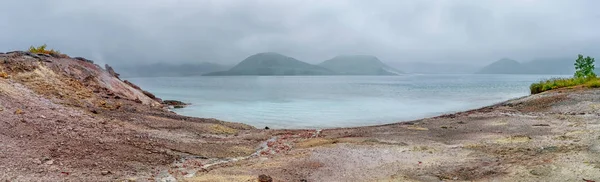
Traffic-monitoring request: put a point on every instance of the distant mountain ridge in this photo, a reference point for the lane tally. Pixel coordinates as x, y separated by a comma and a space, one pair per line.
359, 65
170, 70
271, 63
503, 66
436, 67
558, 66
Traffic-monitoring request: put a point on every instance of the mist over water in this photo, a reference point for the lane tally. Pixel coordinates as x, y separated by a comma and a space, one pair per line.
335, 101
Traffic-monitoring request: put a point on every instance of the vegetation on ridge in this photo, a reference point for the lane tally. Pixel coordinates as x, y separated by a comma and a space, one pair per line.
584, 75
42, 50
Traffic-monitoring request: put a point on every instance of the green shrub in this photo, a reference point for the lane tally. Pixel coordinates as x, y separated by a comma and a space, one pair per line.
584, 75
42, 49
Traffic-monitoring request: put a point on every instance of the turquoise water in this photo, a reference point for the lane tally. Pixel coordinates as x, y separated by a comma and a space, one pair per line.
334, 101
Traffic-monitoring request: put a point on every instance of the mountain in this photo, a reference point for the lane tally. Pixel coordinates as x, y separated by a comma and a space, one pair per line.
503, 66
551, 66
436, 67
358, 65
561, 66
169, 70
273, 64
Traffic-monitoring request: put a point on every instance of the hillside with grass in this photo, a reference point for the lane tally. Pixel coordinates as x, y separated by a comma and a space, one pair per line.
359, 65
584, 77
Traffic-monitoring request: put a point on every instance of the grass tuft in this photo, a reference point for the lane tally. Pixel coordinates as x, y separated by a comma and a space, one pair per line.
593, 84
556, 83
42, 50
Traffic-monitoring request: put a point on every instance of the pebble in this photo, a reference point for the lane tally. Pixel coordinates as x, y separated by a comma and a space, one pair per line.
49, 162
265, 178
37, 161
105, 172
594, 148
541, 171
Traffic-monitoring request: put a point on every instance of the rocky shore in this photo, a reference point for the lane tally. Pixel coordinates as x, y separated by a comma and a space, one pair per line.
67, 119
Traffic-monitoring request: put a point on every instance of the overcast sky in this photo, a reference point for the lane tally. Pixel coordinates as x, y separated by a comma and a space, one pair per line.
227, 31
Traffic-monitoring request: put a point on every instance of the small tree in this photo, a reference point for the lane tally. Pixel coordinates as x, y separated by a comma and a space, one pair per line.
584, 67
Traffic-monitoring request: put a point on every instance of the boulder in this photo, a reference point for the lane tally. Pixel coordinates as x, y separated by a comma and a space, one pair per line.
174, 103
84, 59
265, 178
132, 85
111, 71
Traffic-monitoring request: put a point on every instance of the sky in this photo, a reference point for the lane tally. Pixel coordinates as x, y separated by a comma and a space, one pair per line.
227, 31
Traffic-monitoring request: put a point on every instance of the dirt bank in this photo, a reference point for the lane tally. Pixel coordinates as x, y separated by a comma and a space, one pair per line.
66, 119
554, 136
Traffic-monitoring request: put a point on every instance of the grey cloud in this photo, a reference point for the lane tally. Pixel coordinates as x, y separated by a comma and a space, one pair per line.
226, 31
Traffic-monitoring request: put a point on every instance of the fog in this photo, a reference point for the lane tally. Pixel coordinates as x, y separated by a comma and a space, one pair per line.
470, 32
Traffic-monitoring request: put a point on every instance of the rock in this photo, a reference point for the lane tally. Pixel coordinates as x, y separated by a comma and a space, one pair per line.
37, 161
594, 148
19, 111
111, 71
43, 55
266, 128
32, 55
175, 103
549, 149
152, 96
49, 162
132, 85
13, 52
58, 55
265, 178
169, 178
541, 125
83, 59
105, 172
541, 171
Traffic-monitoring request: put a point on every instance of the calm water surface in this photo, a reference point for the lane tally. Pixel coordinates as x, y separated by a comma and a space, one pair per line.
335, 101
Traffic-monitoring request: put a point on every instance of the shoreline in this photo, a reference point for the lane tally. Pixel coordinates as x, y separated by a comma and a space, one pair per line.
370, 125
70, 120
536, 144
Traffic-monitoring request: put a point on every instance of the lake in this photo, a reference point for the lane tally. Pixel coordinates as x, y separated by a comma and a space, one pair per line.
335, 101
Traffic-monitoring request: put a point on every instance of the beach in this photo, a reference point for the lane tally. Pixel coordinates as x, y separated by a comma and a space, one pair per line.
67, 119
